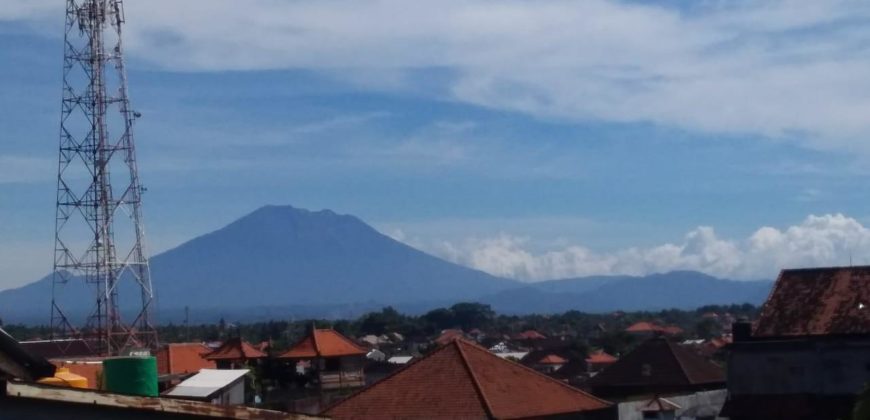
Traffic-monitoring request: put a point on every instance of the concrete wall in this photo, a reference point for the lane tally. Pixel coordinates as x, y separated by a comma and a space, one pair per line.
820, 368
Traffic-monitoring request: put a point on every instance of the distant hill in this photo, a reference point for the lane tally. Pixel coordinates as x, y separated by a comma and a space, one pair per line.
677, 289
281, 261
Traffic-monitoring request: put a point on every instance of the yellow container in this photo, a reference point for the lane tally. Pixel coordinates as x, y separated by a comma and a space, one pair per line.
63, 377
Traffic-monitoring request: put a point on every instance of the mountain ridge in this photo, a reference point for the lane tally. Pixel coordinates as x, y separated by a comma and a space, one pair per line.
286, 261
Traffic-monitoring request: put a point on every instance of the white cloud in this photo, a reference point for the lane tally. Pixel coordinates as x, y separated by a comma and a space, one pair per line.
784, 69
818, 241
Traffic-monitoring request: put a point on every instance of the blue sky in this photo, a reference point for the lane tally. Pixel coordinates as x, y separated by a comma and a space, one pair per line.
531, 141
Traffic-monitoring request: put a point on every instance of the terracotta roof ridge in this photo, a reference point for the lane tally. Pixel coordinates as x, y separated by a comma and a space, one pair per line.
530, 370
776, 285
413, 362
486, 404
314, 340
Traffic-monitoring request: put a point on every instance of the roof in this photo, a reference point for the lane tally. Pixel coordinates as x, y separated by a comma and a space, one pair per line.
660, 362
463, 380
206, 383
530, 335
447, 336
400, 360
235, 349
17, 362
817, 301
111, 401
643, 326
658, 404
51, 349
552, 359
177, 358
324, 343
600, 356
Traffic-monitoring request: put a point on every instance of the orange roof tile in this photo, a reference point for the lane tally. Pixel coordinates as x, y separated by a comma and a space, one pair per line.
530, 335
323, 343
183, 358
643, 327
552, 359
600, 357
463, 380
447, 336
817, 301
235, 349
672, 330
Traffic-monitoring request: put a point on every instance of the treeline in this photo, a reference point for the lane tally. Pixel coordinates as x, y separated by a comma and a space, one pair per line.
607, 328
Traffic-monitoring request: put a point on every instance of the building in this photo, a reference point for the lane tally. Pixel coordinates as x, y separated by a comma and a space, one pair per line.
808, 355
659, 368
183, 358
463, 380
338, 361
598, 360
235, 353
221, 387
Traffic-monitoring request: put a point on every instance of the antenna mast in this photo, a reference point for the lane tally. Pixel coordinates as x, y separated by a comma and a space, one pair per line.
99, 238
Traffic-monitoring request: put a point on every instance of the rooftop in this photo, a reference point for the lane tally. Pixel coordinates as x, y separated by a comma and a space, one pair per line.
235, 349
817, 301
206, 383
324, 343
463, 380
178, 358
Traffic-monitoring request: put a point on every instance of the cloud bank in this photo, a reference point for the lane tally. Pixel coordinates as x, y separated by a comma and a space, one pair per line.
782, 69
827, 240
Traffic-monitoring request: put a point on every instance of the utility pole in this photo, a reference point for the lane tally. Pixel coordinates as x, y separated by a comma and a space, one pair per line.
99, 236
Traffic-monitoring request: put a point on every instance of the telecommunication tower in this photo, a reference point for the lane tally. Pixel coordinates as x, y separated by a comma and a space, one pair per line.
99, 237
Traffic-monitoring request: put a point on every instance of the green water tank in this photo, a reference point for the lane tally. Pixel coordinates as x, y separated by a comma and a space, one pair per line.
131, 375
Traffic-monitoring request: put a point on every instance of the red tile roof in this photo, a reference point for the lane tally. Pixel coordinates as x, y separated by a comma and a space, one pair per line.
600, 357
672, 330
323, 343
552, 359
817, 301
463, 380
235, 349
530, 335
643, 327
447, 336
659, 362
183, 358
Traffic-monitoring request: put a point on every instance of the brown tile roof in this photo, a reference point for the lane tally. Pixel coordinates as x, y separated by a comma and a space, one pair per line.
235, 349
817, 301
659, 362
463, 380
183, 358
447, 336
323, 343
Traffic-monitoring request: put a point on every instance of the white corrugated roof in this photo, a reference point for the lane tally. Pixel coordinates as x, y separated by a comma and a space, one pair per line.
206, 382
400, 360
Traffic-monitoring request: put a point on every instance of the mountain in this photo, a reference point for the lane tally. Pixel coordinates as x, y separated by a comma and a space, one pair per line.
282, 262
676, 289
280, 257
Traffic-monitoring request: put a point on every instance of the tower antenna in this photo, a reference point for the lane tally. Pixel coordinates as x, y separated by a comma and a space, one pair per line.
99, 237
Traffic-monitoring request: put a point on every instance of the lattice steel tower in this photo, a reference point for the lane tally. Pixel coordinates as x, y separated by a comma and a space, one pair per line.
99, 239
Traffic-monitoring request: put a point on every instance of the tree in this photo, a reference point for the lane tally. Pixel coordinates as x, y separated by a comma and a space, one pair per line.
472, 315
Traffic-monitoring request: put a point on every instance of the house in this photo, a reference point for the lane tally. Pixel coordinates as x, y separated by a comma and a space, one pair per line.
549, 363
337, 360
221, 387
808, 355
598, 360
660, 368
183, 358
529, 335
235, 353
463, 380
400, 360
447, 336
